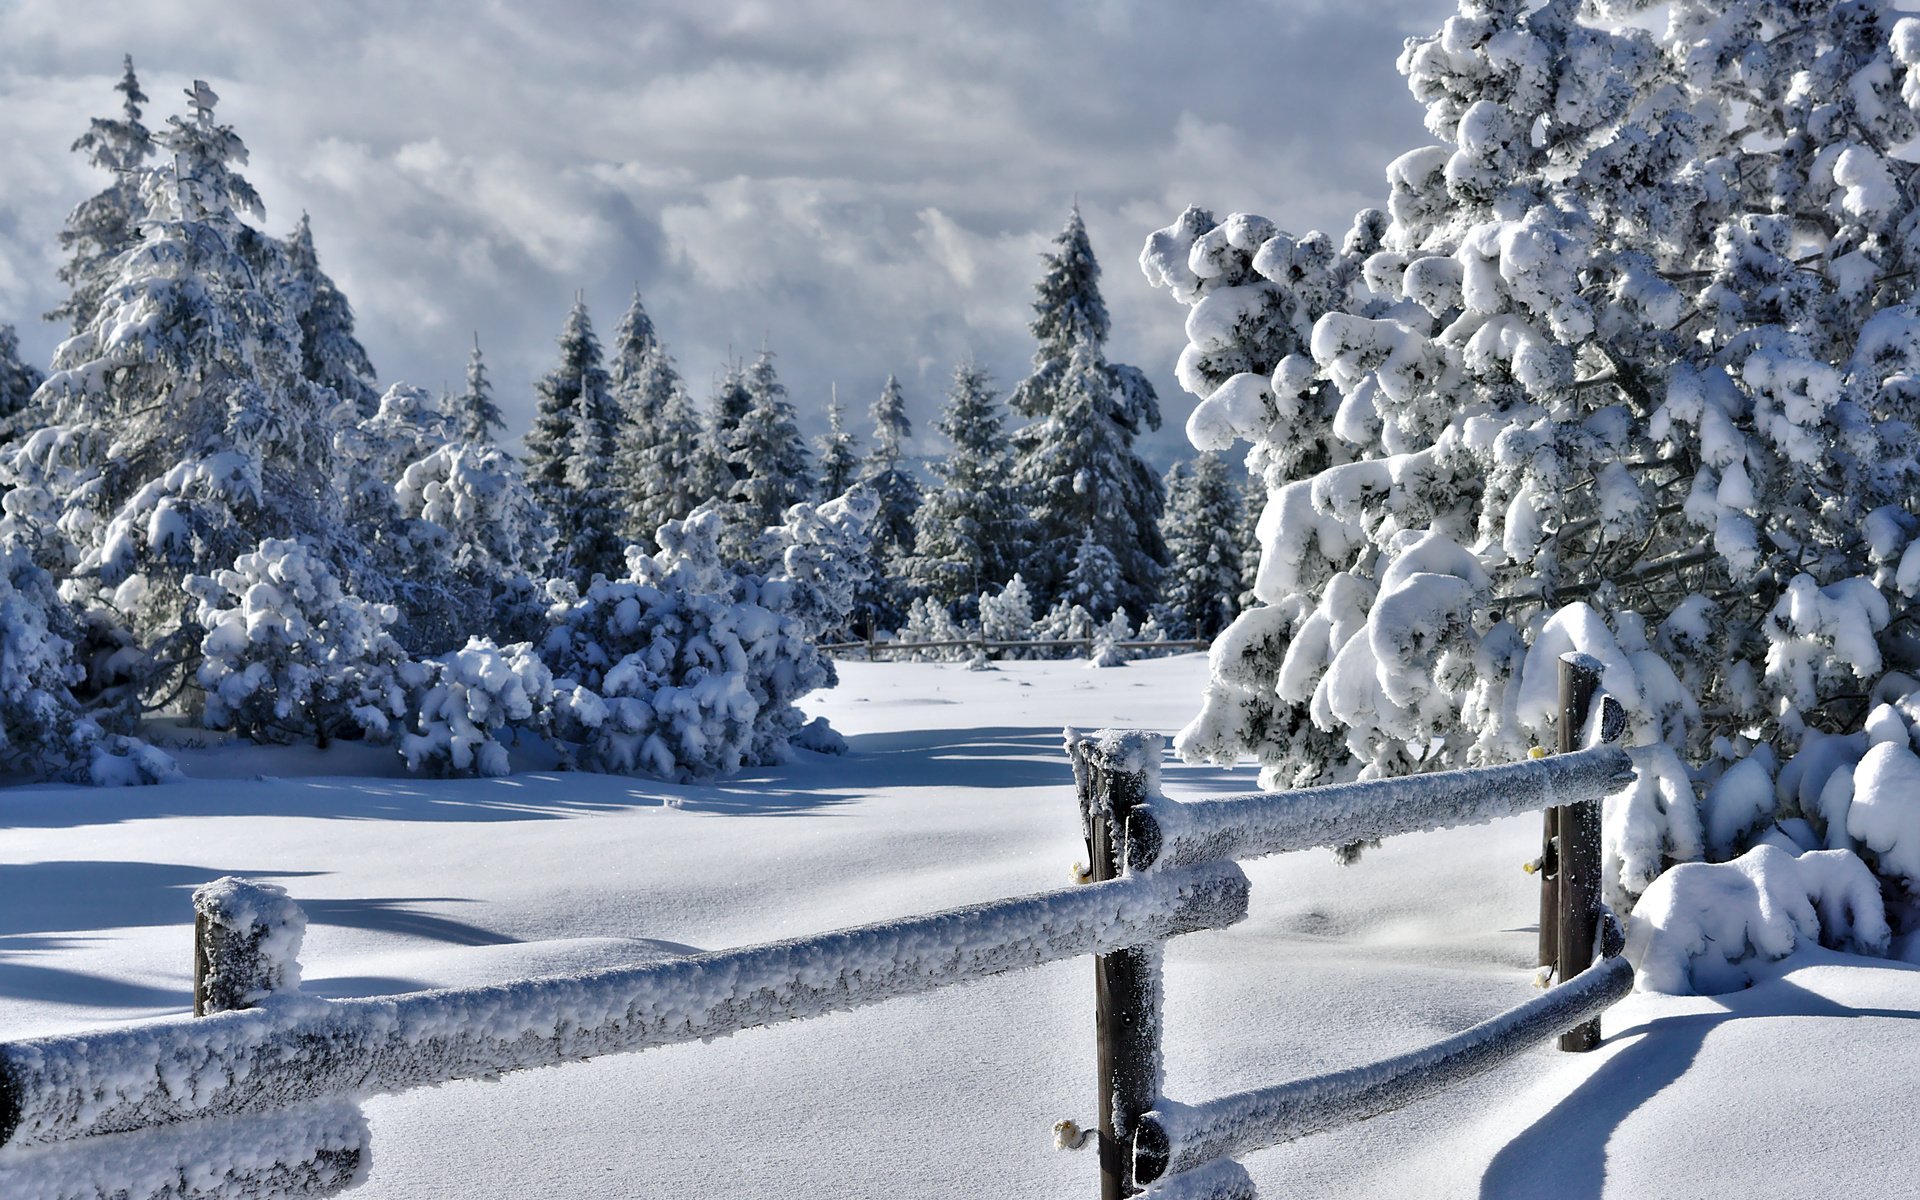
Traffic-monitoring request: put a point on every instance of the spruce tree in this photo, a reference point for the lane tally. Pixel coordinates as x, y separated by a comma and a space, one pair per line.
769, 460
330, 355
659, 471
968, 531
177, 431
476, 416
896, 488
839, 461
1201, 594
104, 225
18, 381
1074, 461
731, 400
574, 418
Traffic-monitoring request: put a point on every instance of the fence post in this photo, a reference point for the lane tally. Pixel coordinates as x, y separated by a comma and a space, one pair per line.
246, 944
1112, 773
1578, 878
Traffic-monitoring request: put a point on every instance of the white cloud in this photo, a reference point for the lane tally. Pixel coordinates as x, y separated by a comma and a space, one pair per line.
864, 187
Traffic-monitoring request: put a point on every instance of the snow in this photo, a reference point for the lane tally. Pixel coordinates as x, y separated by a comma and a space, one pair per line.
955, 792
1184, 1137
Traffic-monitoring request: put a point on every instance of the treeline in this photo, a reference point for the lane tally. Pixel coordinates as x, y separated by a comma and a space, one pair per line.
210, 504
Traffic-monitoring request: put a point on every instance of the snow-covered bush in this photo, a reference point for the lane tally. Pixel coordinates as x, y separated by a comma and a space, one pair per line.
1624, 365
1700, 925
929, 621
43, 729
464, 702
289, 654
687, 668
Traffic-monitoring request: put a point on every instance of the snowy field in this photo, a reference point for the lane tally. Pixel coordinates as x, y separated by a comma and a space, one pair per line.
956, 791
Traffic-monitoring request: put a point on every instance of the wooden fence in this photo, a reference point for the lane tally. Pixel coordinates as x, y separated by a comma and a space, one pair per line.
980, 645
256, 1096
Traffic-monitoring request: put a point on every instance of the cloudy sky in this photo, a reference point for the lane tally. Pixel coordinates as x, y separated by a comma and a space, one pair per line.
862, 187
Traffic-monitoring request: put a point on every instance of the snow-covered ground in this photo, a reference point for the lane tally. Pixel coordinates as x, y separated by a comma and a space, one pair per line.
956, 791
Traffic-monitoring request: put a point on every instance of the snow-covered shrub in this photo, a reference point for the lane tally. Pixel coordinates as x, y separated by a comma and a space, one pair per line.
43, 729
1107, 651
1624, 364
1007, 616
929, 621
462, 703
1701, 924
289, 654
687, 668
1064, 622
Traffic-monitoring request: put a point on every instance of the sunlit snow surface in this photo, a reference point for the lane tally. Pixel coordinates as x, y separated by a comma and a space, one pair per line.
957, 792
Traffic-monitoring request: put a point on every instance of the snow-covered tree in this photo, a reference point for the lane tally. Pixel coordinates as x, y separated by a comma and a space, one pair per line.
1624, 367
44, 729
1202, 527
664, 464
839, 458
570, 452
466, 707
101, 227
290, 655
731, 402
330, 354
969, 532
772, 469
487, 539
689, 667
1074, 461
475, 411
19, 379
177, 430
887, 476
1007, 615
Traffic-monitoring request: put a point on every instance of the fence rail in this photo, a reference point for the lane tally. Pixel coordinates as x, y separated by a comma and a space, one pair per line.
266, 1077
870, 647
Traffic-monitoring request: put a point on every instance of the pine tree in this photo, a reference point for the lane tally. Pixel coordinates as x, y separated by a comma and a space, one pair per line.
731, 400
661, 466
1201, 595
769, 460
329, 353
896, 488
968, 532
104, 225
177, 431
839, 461
1075, 462
477, 416
1606, 372
18, 382
570, 451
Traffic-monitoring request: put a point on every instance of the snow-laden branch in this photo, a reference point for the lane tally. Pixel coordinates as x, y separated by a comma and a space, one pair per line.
291, 1050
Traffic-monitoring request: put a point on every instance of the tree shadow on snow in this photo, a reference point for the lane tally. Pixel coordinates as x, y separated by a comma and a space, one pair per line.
1568, 1145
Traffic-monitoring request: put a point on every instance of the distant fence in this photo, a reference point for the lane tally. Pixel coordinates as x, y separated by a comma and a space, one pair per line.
980, 645
254, 1098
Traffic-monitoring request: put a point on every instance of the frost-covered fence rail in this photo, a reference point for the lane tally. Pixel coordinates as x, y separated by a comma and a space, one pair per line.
871, 648
1135, 832
291, 1049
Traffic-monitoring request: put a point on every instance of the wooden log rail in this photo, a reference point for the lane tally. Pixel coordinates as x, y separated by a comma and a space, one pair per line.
291, 1049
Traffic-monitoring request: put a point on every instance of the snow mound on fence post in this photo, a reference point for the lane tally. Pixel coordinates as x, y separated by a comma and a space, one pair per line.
249, 935
1700, 924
